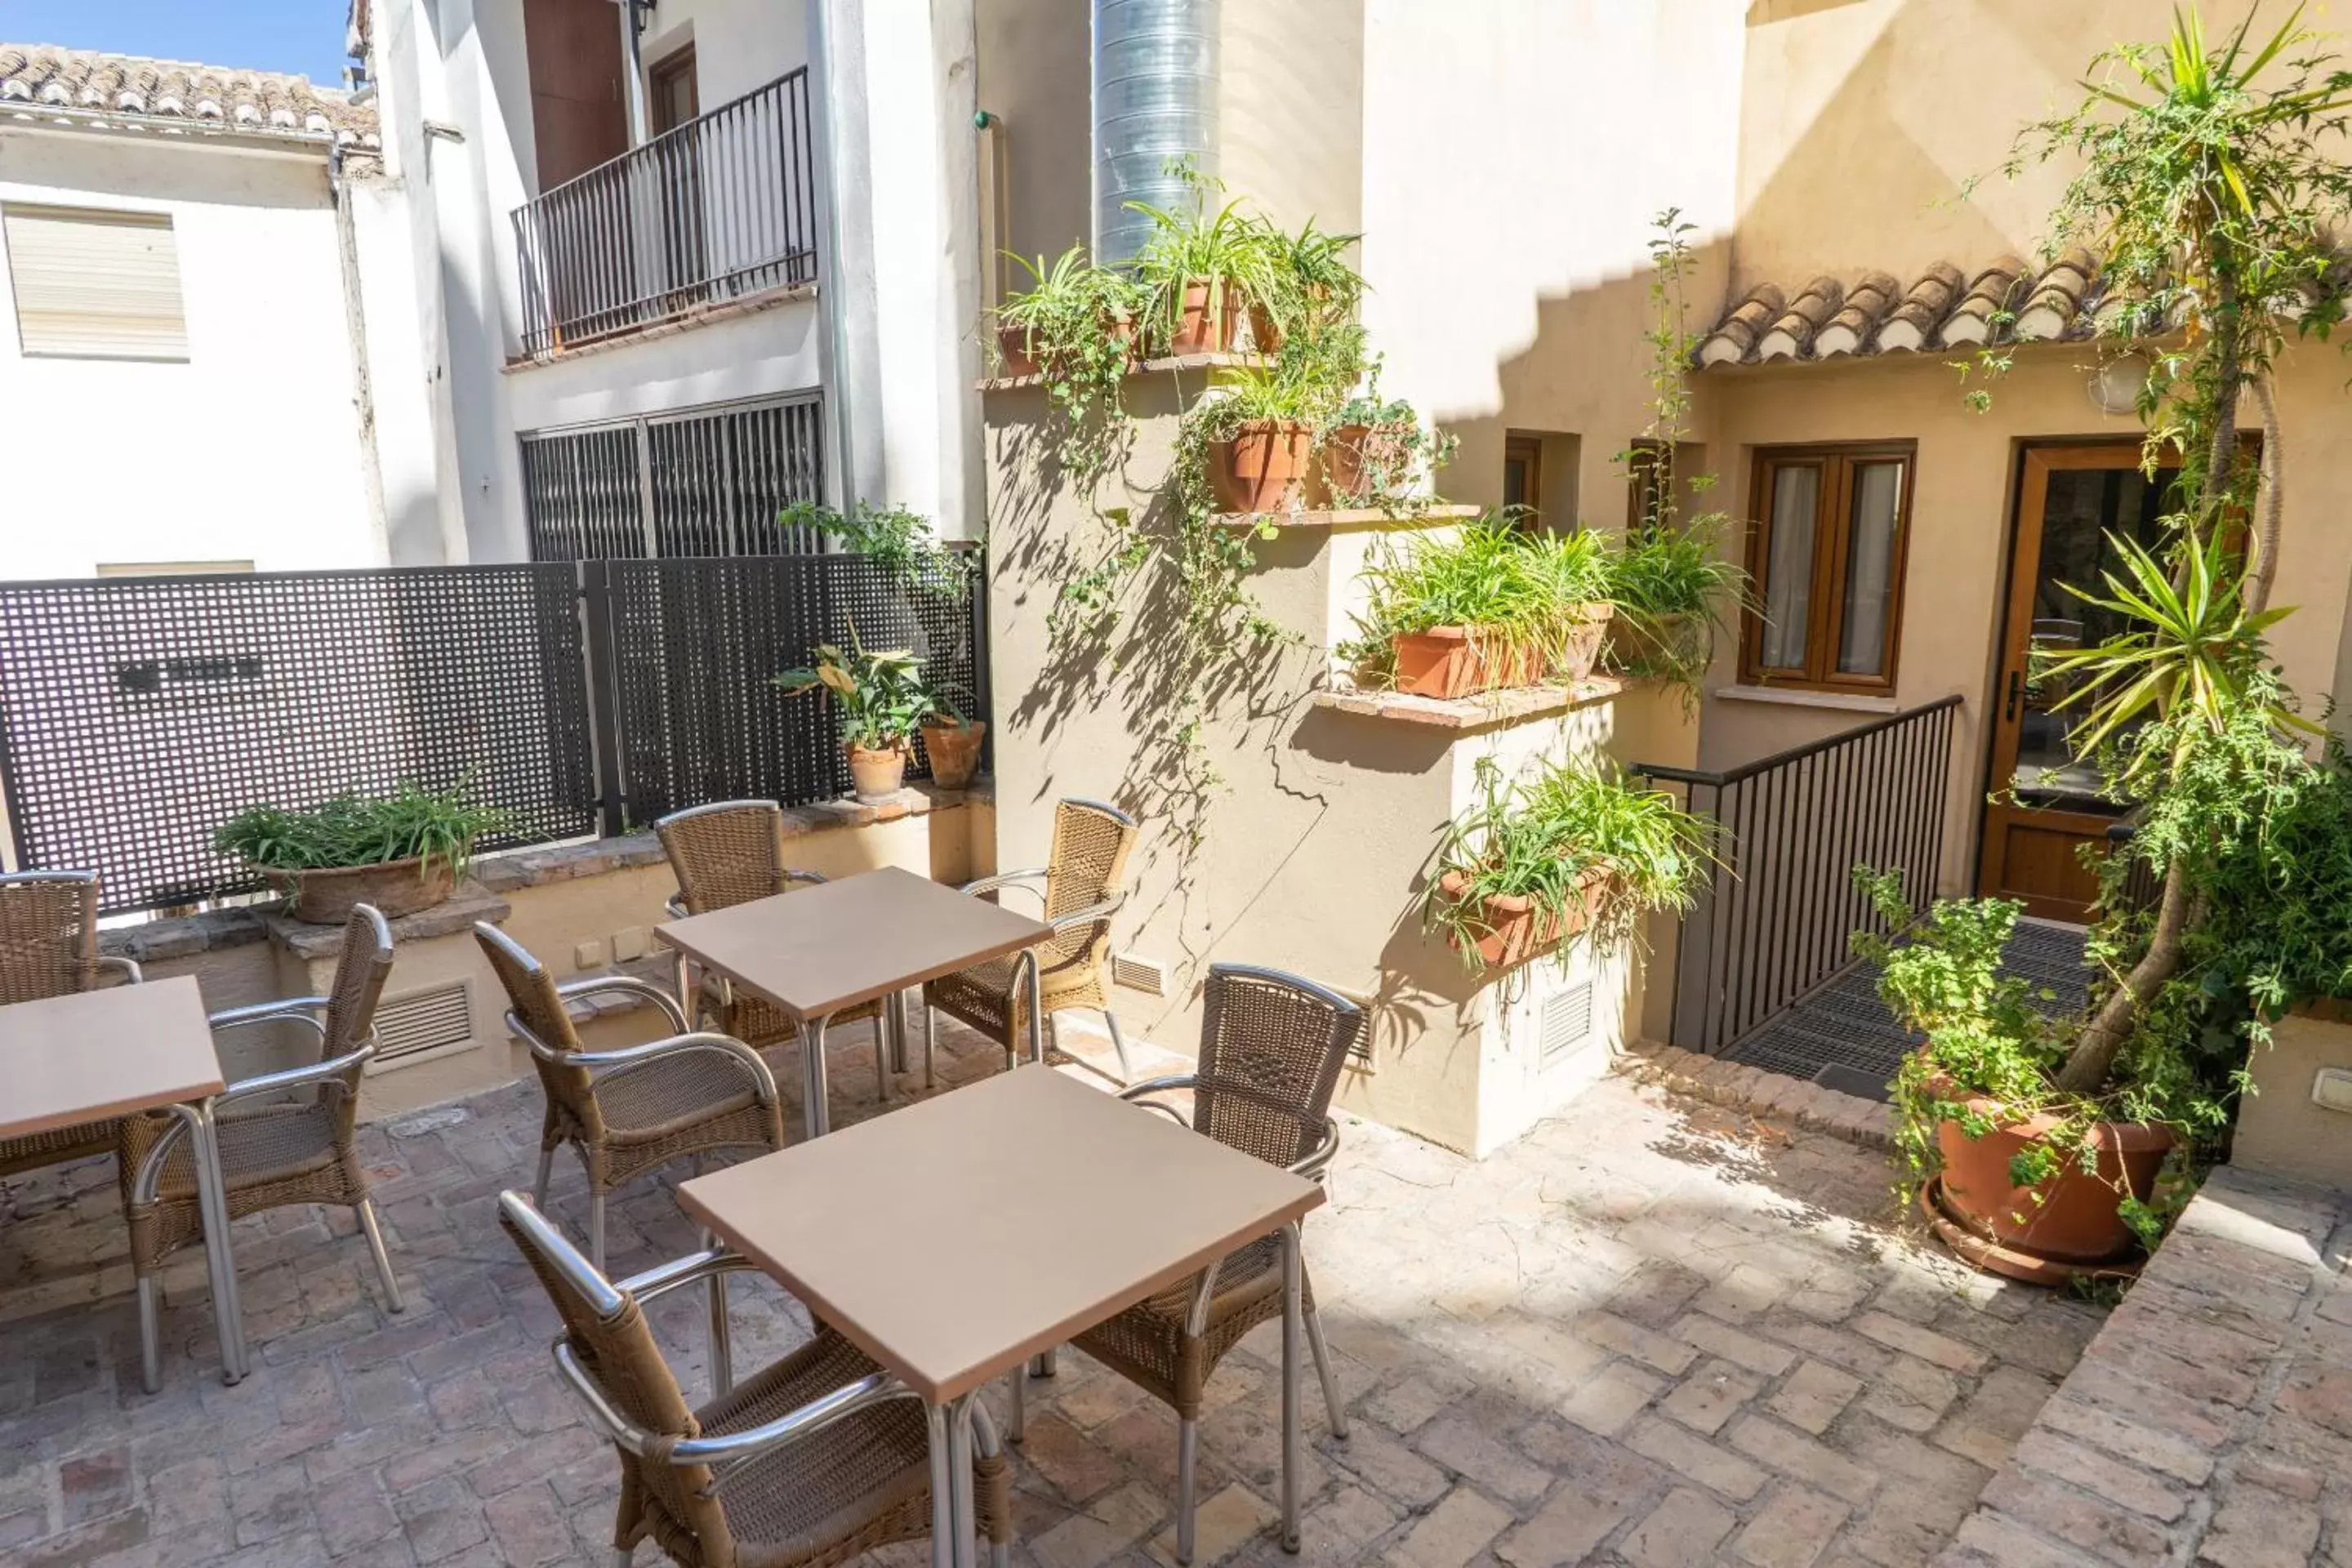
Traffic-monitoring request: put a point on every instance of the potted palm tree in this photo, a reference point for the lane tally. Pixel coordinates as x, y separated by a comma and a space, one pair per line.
879, 697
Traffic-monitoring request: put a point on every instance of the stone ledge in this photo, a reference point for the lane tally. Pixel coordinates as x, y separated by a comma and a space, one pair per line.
1512, 706
185, 936
1145, 367
541, 863
1351, 517
471, 902
1769, 1094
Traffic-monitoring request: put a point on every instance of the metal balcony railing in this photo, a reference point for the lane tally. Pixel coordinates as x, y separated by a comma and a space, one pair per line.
721, 207
1776, 918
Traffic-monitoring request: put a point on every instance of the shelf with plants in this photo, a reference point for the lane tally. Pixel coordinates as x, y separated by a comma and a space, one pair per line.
1486, 711
1574, 853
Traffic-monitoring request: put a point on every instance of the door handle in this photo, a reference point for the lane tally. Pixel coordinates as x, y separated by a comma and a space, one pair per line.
2016, 689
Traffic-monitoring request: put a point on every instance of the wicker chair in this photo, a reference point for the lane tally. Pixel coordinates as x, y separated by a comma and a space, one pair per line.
48, 946
820, 1458
629, 1111
285, 1138
1270, 1048
1081, 891
725, 854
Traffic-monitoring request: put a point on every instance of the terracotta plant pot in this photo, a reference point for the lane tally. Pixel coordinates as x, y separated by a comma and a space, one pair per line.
1632, 640
953, 749
1515, 930
1262, 466
1583, 644
325, 896
1013, 351
1265, 336
1196, 333
1449, 662
1357, 463
2076, 1222
875, 774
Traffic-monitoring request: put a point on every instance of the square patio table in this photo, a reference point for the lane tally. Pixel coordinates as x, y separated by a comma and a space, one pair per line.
95, 1056
954, 1241
820, 950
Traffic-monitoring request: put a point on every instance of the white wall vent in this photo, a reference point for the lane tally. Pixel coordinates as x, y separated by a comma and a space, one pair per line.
1566, 1024
1135, 973
437, 1019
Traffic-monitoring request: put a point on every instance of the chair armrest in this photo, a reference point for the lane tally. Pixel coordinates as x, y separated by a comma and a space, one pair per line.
1090, 914
127, 968
645, 989
764, 1080
1311, 1164
297, 1078
290, 1009
675, 909
1004, 880
1134, 1094
678, 1272
813, 1416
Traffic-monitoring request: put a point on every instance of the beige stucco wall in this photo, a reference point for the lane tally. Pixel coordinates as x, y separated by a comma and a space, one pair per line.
2281, 1132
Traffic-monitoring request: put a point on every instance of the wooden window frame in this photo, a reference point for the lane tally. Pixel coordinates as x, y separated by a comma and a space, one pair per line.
662, 72
1642, 482
1529, 450
1832, 539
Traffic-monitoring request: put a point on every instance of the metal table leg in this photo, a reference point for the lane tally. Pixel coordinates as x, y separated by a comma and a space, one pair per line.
943, 1524
1037, 1008
887, 1051
1293, 1277
965, 1515
815, 1122
212, 1203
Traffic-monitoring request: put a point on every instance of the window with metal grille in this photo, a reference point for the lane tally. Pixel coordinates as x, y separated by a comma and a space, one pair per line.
709, 481
95, 285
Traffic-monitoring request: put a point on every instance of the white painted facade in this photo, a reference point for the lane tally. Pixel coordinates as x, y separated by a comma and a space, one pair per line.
889, 337
251, 450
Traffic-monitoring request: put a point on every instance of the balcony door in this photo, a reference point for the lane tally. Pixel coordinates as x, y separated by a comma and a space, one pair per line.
676, 102
579, 118
2044, 803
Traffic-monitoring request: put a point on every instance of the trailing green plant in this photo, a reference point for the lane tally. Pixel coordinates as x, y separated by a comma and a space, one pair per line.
1549, 840
1524, 591
1206, 241
901, 541
1396, 457
1081, 323
880, 695
411, 823
1311, 285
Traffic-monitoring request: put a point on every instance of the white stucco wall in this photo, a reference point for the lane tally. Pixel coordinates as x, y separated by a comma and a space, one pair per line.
250, 451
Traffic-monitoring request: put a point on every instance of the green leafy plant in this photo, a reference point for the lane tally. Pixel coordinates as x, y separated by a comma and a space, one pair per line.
1203, 240
1673, 588
1549, 840
1393, 456
900, 541
880, 695
411, 823
1523, 592
1080, 324
1310, 285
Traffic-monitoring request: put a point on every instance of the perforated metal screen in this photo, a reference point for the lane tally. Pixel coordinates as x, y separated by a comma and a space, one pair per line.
696, 644
137, 714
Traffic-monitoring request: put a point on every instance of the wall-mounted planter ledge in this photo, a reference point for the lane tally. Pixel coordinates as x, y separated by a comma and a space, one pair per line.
1512, 705
495, 876
1353, 517
1175, 363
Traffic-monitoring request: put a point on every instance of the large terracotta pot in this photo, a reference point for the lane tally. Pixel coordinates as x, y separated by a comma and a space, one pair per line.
1196, 331
396, 888
1634, 640
1014, 352
1262, 466
953, 749
1516, 930
1581, 647
2076, 1221
876, 775
1356, 463
1448, 662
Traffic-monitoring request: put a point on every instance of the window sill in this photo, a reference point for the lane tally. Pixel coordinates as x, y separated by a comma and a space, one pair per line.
1803, 697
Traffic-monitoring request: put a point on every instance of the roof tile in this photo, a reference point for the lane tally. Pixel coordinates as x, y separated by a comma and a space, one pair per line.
2002, 302
104, 87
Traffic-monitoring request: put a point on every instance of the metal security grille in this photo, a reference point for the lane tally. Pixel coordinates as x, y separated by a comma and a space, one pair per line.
708, 482
137, 714
695, 643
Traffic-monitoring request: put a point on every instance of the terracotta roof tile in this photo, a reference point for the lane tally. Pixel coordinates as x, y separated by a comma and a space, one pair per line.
84, 85
1832, 318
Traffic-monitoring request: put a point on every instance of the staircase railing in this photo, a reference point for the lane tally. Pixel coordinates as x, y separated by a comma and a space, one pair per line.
1776, 917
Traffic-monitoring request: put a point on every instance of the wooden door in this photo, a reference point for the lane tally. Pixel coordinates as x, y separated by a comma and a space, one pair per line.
579, 116
2044, 803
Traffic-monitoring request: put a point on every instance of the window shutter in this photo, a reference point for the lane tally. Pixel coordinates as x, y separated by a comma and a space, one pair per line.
96, 285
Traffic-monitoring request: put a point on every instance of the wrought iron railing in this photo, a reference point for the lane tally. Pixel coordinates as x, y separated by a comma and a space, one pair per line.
1777, 916
721, 207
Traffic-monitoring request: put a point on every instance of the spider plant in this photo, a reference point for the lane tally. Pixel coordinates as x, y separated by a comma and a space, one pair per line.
354, 829
1313, 284
1592, 855
1671, 587
1220, 247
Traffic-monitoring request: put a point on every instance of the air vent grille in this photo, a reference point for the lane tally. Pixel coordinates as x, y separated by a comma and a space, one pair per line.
429, 1020
1147, 975
1567, 1024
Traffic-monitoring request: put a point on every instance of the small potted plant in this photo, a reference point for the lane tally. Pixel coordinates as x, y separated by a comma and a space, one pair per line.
1260, 438
1075, 322
880, 697
1202, 264
1574, 852
401, 852
1310, 285
1672, 586
1493, 605
1372, 451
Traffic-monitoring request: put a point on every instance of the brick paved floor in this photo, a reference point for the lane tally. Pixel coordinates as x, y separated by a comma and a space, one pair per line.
1650, 1332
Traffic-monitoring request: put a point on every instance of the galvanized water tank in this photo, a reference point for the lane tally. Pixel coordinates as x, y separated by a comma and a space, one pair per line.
1155, 98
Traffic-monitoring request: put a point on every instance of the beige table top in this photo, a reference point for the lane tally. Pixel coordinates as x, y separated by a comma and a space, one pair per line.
96, 1055
956, 1239
819, 949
